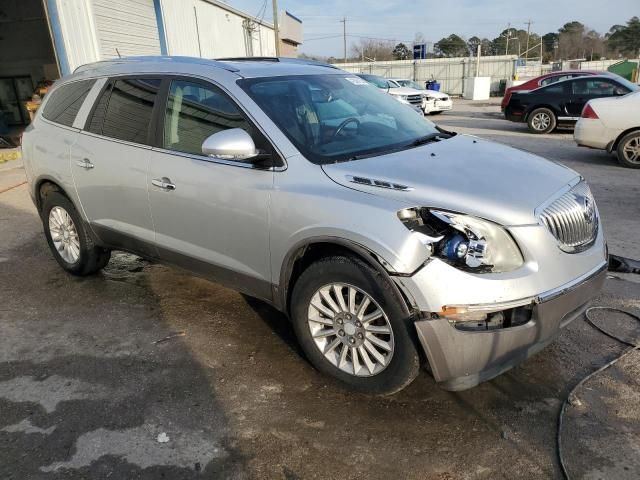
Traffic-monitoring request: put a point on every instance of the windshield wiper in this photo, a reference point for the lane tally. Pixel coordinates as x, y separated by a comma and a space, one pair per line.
432, 137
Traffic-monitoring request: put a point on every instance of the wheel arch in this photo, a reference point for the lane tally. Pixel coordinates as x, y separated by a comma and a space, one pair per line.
614, 146
44, 185
304, 253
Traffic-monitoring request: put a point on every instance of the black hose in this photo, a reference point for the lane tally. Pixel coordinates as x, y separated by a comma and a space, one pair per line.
569, 398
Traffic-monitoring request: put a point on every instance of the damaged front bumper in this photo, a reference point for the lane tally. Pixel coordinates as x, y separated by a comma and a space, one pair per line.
461, 359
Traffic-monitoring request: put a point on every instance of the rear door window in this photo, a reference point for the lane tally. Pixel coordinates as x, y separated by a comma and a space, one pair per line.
556, 88
65, 102
96, 119
125, 109
598, 87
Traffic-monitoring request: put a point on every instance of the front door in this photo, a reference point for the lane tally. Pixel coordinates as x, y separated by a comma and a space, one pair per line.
210, 215
110, 163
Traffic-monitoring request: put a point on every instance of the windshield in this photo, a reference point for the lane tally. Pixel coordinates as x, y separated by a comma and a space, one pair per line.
376, 80
410, 84
332, 118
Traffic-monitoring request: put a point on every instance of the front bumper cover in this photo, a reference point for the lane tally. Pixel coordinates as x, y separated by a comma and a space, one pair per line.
437, 105
460, 359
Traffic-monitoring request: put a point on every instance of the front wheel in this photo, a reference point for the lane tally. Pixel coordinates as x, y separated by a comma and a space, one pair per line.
629, 150
351, 326
542, 120
71, 245
438, 112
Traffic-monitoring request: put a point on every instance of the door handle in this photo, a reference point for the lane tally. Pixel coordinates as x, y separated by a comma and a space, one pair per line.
163, 183
85, 163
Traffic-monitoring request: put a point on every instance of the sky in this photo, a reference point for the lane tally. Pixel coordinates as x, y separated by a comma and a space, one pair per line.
400, 20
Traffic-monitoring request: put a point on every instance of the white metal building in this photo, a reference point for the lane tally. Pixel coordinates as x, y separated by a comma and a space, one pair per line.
45, 39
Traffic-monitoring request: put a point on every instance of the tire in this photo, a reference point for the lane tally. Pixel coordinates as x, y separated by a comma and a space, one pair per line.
628, 151
393, 368
542, 120
436, 113
79, 255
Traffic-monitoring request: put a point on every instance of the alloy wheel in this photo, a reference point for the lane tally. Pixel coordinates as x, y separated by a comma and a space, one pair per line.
631, 150
350, 329
64, 235
540, 121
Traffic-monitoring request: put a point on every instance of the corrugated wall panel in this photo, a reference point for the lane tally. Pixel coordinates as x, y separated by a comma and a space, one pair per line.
78, 33
180, 27
222, 33
126, 26
265, 44
216, 33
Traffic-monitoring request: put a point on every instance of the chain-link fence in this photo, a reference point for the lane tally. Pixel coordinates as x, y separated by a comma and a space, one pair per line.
449, 72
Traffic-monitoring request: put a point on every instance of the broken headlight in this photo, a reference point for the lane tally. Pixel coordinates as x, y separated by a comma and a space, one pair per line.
463, 241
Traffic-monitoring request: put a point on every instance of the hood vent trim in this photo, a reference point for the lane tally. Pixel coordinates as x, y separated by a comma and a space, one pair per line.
371, 182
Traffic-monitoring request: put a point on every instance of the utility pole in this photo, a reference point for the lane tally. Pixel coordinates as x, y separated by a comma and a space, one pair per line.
506, 50
344, 37
528, 33
276, 29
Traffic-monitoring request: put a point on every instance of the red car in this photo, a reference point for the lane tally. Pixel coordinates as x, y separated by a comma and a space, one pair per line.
546, 79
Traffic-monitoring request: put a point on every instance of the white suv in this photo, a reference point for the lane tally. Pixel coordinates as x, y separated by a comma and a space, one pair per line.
408, 96
434, 102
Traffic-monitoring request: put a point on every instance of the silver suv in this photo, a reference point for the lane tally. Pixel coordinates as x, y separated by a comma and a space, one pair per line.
380, 235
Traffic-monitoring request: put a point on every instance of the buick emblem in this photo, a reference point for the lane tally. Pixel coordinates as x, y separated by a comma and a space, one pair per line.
588, 208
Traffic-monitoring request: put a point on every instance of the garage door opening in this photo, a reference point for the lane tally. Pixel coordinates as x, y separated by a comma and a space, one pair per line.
27, 59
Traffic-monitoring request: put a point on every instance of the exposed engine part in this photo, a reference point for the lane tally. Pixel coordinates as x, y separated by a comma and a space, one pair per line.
496, 320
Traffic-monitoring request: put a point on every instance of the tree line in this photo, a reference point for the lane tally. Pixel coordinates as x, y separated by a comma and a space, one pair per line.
573, 40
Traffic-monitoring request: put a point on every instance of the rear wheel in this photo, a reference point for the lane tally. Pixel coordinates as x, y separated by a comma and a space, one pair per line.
629, 150
542, 120
68, 240
352, 327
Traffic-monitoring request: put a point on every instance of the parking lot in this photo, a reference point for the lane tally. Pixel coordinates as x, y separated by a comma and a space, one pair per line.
147, 372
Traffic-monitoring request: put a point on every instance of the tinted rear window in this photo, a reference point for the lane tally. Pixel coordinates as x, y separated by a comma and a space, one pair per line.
97, 118
65, 102
129, 108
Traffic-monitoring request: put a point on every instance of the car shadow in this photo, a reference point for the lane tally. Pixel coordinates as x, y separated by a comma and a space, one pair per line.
84, 390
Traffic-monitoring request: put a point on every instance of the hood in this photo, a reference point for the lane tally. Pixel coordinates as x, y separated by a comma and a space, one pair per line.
463, 174
404, 91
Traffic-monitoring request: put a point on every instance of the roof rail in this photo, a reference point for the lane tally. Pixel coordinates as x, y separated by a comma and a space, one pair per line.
163, 58
300, 61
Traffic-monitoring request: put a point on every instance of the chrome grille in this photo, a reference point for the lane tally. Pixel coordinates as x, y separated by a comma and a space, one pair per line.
414, 99
572, 218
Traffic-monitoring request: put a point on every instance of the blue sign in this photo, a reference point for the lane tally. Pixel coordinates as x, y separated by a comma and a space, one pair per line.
420, 51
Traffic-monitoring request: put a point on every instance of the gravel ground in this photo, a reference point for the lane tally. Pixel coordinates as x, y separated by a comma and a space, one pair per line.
86, 393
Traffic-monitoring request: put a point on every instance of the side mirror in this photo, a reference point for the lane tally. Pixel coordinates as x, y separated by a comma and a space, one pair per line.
232, 144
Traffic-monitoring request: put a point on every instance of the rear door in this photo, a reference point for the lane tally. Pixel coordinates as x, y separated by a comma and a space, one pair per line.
211, 215
110, 163
587, 88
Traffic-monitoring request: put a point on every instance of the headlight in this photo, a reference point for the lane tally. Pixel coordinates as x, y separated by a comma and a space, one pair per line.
463, 241
401, 98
